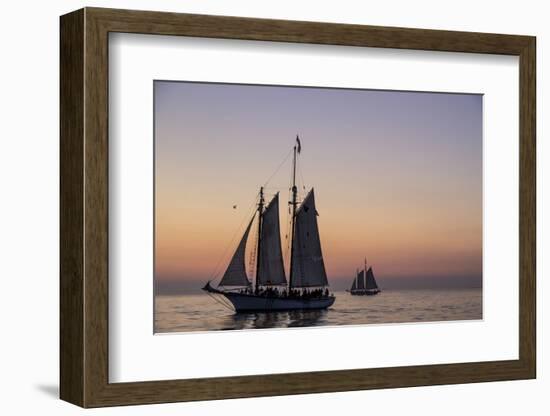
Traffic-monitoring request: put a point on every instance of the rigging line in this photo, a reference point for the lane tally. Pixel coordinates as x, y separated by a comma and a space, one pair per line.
278, 167
273, 188
302, 177
219, 301
230, 243
215, 271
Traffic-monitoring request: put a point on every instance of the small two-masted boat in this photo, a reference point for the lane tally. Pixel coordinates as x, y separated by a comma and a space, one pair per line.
307, 286
364, 283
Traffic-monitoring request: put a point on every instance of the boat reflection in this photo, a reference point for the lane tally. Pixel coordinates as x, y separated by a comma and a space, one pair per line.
286, 319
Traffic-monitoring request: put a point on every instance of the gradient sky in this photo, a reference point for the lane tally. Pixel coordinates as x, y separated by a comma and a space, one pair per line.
397, 176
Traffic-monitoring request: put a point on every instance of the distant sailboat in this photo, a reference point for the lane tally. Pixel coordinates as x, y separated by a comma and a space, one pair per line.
307, 287
364, 283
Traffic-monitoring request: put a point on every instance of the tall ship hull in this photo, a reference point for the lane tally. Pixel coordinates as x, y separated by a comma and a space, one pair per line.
364, 292
252, 303
307, 284
245, 302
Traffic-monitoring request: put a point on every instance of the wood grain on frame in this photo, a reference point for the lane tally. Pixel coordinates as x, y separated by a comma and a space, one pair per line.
84, 207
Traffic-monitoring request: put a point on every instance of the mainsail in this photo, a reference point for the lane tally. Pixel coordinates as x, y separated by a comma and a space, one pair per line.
371, 282
361, 280
271, 271
308, 268
235, 275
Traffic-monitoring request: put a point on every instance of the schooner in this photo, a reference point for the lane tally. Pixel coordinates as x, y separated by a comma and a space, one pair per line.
364, 283
307, 285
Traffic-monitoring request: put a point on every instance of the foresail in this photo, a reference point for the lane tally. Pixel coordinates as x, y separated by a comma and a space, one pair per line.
371, 281
272, 270
354, 285
235, 275
308, 267
361, 280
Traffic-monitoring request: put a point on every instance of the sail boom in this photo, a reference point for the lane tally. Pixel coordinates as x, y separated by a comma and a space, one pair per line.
309, 285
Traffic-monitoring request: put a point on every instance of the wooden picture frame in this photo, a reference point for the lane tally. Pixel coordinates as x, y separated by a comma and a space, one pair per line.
84, 207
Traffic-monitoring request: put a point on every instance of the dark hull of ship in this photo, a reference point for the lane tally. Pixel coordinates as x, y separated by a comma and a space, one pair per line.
246, 302
364, 292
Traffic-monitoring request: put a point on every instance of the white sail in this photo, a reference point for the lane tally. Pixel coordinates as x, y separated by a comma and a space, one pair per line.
371, 281
271, 271
235, 275
361, 280
308, 268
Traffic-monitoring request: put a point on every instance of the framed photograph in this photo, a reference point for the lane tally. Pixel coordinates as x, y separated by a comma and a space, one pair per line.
255, 207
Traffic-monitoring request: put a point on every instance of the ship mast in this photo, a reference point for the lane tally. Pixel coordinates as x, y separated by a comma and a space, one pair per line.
294, 203
258, 255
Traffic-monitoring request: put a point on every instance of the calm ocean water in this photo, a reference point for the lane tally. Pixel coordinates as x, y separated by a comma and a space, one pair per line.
199, 312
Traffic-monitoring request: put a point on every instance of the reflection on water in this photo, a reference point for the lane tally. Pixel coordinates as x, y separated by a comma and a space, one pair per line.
273, 319
198, 312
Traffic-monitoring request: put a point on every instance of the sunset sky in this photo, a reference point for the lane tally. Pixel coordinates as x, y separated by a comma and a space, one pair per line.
397, 177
